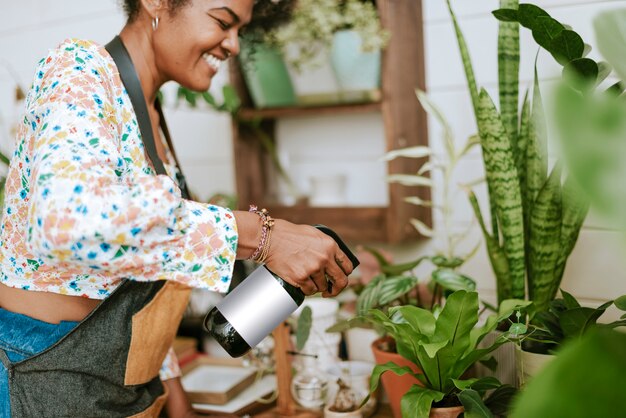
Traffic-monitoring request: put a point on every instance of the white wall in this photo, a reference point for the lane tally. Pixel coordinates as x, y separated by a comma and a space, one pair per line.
595, 271
28, 28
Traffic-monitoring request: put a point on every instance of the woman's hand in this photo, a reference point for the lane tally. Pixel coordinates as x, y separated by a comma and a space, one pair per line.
307, 258
301, 254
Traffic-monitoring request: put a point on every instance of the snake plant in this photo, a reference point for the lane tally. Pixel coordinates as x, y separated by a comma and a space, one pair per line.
536, 216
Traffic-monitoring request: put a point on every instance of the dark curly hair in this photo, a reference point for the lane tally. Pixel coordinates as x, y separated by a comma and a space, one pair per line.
266, 14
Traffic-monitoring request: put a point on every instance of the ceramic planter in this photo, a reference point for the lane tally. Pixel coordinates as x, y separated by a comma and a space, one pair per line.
355, 374
452, 412
267, 77
530, 364
358, 343
355, 70
506, 372
395, 386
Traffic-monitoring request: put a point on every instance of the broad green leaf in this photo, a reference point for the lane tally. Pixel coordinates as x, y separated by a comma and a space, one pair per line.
410, 180
508, 73
232, 103
473, 405
346, 324
490, 363
458, 317
575, 322
383, 368
505, 192
567, 46
411, 152
303, 328
368, 298
499, 400
620, 303
480, 385
529, 13
517, 329
394, 287
584, 70
432, 349
570, 301
506, 15
545, 30
604, 70
421, 320
417, 402
398, 269
422, 228
452, 280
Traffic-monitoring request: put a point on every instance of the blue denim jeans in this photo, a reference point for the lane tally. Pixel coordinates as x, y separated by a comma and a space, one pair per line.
22, 337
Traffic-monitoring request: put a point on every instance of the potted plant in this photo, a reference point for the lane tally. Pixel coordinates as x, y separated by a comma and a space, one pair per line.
565, 320
536, 217
347, 30
345, 403
443, 347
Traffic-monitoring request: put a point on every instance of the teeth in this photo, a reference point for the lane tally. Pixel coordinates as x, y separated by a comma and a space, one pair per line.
212, 60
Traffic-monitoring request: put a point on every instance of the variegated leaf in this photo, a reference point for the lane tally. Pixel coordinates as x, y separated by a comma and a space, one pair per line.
419, 151
422, 228
410, 180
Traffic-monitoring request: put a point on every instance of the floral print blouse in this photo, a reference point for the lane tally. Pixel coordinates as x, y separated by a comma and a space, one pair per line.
83, 207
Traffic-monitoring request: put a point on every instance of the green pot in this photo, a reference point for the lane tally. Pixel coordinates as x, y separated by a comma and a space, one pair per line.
355, 70
266, 76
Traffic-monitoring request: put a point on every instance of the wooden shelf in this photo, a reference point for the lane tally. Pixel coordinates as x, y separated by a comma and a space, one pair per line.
335, 109
403, 71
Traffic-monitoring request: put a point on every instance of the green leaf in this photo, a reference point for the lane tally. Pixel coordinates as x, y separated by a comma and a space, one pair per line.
393, 288
397, 269
452, 280
517, 329
303, 328
490, 363
458, 317
582, 69
567, 46
545, 30
620, 303
480, 385
232, 103
570, 301
368, 298
508, 73
421, 320
575, 322
506, 15
382, 261
432, 109
417, 402
499, 400
505, 192
473, 404
528, 15
422, 228
383, 368
209, 99
346, 324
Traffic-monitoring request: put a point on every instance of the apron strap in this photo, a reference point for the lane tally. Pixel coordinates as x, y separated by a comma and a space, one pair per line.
129, 77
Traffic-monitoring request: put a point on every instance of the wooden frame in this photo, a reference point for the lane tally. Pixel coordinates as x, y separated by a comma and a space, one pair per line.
405, 125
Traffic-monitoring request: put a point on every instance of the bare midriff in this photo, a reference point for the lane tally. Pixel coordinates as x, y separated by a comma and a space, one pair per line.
45, 306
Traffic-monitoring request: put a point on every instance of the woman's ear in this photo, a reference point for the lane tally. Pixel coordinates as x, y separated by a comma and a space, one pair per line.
153, 8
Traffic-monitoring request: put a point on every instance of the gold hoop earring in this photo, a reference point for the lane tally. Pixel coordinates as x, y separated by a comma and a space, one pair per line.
155, 23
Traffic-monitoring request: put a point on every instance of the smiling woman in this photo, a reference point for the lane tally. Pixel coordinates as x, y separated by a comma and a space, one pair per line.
101, 242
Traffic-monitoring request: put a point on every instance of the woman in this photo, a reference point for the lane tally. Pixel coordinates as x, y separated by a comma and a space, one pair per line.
85, 211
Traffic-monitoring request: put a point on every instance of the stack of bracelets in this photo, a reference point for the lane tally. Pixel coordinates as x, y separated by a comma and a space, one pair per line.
267, 222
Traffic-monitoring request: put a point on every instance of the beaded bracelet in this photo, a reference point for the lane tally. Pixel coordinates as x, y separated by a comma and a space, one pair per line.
267, 222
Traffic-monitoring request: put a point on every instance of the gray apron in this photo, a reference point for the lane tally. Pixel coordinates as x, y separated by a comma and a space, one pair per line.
108, 365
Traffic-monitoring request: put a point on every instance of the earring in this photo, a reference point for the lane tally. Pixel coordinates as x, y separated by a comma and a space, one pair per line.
155, 23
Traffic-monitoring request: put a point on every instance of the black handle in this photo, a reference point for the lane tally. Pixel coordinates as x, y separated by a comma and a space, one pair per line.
342, 245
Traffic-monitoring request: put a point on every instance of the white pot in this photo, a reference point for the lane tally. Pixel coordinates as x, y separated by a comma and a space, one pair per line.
530, 364
359, 342
315, 82
506, 372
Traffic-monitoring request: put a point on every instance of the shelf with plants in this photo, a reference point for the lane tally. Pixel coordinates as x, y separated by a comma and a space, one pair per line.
404, 126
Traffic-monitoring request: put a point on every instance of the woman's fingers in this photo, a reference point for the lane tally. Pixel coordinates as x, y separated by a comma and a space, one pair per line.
319, 279
336, 280
344, 262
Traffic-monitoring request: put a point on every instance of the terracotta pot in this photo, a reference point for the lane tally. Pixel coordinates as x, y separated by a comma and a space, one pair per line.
395, 386
452, 412
530, 364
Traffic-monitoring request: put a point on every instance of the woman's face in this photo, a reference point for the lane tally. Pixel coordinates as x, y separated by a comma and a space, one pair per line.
191, 44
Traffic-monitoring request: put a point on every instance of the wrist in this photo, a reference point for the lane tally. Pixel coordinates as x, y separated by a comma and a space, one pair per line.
249, 230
